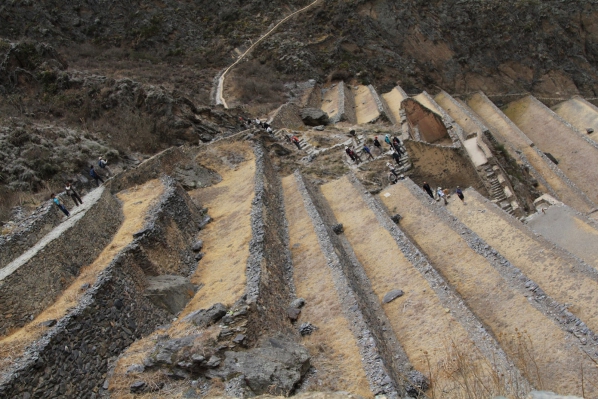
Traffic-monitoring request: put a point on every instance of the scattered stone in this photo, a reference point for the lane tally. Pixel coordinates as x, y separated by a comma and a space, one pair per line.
392, 295
417, 383
338, 228
298, 303
206, 317
137, 386
213, 362
307, 329
135, 368
204, 222
590, 130
293, 313
85, 286
170, 292
199, 256
197, 246
198, 358
48, 323
319, 128
314, 117
396, 218
240, 339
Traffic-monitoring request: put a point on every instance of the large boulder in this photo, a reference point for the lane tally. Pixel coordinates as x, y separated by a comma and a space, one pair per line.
314, 117
170, 292
206, 317
276, 366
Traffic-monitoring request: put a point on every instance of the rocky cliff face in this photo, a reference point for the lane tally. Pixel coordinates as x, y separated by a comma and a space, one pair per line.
542, 46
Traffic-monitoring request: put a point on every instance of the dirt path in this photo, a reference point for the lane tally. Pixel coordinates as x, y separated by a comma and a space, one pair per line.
76, 214
547, 356
434, 341
136, 202
334, 351
220, 87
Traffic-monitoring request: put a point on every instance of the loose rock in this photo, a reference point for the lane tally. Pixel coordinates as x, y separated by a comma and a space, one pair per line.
392, 295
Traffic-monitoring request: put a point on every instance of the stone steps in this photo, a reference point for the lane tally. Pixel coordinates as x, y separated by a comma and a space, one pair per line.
550, 178
495, 291
562, 276
429, 320
578, 158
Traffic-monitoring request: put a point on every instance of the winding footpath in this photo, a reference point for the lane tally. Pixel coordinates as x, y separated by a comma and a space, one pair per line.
220, 88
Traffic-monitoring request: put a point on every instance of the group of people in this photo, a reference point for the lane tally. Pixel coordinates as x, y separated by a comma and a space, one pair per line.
395, 146
71, 192
247, 123
443, 194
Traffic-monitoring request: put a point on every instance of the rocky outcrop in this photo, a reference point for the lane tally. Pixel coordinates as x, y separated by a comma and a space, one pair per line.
170, 292
314, 117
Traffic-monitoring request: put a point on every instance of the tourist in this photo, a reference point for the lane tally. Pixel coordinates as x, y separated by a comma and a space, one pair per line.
397, 158
442, 195
459, 193
95, 175
350, 154
295, 141
426, 187
59, 205
71, 192
366, 149
377, 144
103, 164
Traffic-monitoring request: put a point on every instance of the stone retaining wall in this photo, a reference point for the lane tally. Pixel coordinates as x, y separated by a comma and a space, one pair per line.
389, 349
349, 104
172, 162
37, 283
71, 359
269, 267
28, 232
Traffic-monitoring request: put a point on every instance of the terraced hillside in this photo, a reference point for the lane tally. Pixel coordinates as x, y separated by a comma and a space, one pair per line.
215, 270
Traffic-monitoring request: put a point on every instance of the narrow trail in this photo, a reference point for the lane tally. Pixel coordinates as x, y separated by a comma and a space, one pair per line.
76, 214
219, 97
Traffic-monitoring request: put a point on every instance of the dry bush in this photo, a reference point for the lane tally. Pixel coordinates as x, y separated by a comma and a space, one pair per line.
256, 83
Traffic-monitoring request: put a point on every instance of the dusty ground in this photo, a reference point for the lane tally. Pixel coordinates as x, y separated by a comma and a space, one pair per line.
334, 352
436, 344
549, 360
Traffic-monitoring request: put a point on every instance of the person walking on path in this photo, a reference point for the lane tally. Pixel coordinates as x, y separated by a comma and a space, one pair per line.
103, 164
396, 144
426, 187
366, 149
59, 204
397, 158
71, 192
387, 140
355, 155
295, 141
442, 196
459, 193
349, 153
377, 144
95, 175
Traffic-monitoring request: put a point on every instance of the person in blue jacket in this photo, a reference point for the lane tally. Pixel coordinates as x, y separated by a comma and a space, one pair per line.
95, 175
